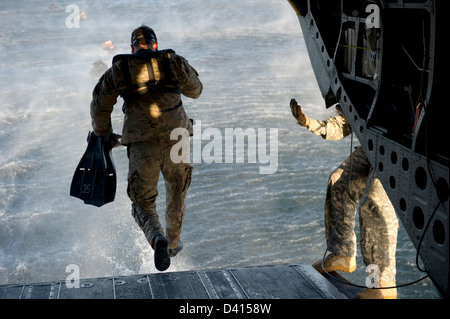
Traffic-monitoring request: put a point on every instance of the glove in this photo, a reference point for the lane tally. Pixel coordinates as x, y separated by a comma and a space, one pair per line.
298, 114
113, 140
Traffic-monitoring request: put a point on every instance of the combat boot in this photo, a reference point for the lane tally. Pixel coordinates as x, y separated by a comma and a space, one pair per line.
335, 262
161, 256
175, 251
373, 293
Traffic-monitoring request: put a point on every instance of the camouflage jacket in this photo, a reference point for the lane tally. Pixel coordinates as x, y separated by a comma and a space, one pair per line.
150, 116
335, 128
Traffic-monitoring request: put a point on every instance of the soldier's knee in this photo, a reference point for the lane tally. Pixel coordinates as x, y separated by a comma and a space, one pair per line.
132, 186
188, 178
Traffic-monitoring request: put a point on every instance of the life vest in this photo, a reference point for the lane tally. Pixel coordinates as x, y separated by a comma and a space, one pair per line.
148, 71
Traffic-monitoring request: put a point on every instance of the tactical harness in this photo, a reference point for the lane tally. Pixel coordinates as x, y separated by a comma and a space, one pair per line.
146, 72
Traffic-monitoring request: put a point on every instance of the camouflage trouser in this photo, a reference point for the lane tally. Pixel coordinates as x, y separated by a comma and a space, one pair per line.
378, 221
146, 161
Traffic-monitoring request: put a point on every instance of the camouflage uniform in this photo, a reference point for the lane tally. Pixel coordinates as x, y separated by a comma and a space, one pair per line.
378, 221
148, 121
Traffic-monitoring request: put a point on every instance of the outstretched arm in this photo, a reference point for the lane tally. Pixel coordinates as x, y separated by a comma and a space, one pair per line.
335, 128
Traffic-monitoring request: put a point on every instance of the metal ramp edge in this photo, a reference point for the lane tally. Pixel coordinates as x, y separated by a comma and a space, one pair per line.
293, 281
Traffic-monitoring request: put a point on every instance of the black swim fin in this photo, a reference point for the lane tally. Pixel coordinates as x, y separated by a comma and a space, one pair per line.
95, 180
